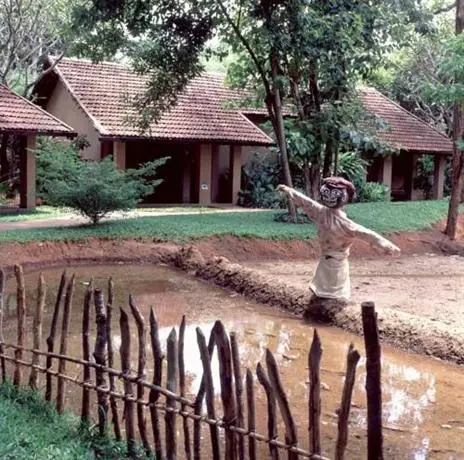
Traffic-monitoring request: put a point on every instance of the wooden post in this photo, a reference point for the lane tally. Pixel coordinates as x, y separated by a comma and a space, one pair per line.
227, 387
60, 390
291, 437
51, 337
141, 376
21, 311
251, 414
314, 363
199, 403
125, 367
100, 358
373, 382
171, 385
188, 452
37, 329
209, 388
271, 410
85, 408
109, 326
2, 339
158, 357
238, 393
352, 360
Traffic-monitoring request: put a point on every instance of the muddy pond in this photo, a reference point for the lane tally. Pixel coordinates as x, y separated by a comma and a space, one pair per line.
423, 399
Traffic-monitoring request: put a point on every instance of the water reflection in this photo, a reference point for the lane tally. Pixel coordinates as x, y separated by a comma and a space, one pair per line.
420, 396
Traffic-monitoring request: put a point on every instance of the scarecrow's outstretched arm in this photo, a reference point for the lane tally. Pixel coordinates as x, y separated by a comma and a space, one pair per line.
311, 207
374, 239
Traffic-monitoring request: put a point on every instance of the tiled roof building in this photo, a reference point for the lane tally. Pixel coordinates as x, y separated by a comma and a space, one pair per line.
206, 137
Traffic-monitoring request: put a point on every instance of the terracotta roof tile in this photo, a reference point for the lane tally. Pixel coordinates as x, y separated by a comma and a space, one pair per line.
199, 114
19, 115
405, 131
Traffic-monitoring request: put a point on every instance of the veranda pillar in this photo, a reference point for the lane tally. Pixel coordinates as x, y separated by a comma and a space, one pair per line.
28, 174
387, 172
119, 154
236, 170
205, 170
439, 177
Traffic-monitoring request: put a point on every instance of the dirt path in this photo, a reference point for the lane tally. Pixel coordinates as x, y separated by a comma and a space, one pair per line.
428, 286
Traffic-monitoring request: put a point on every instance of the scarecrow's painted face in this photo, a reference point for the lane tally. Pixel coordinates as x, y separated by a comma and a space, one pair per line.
333, 197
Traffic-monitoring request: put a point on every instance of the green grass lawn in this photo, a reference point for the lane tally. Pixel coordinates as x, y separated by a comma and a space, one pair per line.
50, 212
30, 428
42, 212
384, 217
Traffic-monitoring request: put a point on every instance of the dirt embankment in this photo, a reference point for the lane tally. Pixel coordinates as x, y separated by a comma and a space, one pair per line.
218, 260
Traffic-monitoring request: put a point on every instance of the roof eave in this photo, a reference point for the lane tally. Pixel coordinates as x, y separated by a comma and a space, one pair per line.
40, 132
117, 137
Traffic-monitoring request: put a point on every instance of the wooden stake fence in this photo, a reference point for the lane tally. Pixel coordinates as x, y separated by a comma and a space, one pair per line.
240, 439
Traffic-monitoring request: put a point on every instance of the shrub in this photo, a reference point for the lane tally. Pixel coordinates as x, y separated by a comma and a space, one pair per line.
372, 191
353, 167
260, 178
93, 189
425, 175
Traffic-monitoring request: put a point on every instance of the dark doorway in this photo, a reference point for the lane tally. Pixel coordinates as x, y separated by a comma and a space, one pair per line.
171, 190
402, 176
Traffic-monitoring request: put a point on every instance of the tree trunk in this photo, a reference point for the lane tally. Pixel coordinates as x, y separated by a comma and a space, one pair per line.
307, 178
458, 155
280, 134
315, 177
328, 155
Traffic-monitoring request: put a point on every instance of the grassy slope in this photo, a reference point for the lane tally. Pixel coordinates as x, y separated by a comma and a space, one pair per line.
30, 428
36, 432
383, 217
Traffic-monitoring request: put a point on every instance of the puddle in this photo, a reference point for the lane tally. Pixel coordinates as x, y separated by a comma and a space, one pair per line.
423, 399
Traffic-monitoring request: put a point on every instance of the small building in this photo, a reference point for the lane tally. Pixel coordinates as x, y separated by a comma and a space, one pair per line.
412, 138
20, 117
205, 140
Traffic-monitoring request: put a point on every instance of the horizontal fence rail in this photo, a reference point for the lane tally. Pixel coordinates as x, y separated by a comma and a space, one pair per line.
140, 397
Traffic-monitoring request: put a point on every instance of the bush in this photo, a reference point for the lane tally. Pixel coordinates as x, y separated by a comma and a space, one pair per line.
353, 168
372, 191
93, 189
261, 175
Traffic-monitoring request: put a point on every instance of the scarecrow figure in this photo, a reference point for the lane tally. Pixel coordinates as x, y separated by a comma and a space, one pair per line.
336, 235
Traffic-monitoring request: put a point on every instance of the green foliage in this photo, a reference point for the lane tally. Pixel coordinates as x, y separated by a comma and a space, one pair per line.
31, 428
372, 192
425, 175
260, 179
93, 189
382, 217
353, 168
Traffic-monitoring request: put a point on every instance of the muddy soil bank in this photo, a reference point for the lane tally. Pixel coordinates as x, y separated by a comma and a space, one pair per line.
217, 260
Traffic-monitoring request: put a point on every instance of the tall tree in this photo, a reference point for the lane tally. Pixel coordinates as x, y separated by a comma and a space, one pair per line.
29, 31
458, 130
310, 54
